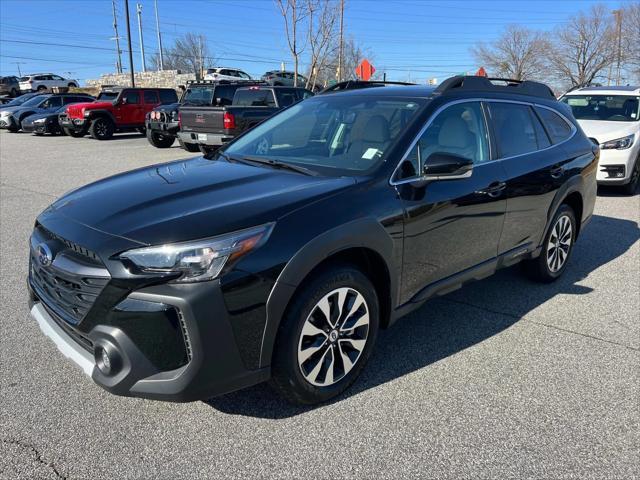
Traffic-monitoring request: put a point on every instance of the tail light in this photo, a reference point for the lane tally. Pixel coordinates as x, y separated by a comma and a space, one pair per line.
229, 121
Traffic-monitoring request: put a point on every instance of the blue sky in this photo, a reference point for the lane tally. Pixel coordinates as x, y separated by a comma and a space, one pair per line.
409, 39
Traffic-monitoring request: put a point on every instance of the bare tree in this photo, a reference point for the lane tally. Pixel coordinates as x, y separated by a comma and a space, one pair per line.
189, 53
631, 38
353, 54
584, 48
519, 54
293, 12
322, 23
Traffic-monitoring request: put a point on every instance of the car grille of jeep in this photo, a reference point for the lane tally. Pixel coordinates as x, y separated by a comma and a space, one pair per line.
69, 283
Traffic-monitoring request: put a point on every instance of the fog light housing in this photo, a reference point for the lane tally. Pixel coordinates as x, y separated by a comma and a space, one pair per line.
613, 171
107, 359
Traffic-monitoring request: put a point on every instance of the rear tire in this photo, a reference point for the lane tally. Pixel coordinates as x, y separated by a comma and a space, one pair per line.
189, 147
318, 356
72, 85
158, 140
631, 187
556, 248
13, 93
41, 89
102, 128
207, 149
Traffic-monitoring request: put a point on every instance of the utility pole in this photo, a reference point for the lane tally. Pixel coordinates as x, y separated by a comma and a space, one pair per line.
618, 15
155, 3
139, 11
17, 64
117, 37
133, 78
341, 46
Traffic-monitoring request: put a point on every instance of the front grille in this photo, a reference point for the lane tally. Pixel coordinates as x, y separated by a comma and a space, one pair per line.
70, 284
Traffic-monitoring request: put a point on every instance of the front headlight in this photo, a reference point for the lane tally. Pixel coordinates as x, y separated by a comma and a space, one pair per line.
199, 260
619, 143
4, 114
40, 121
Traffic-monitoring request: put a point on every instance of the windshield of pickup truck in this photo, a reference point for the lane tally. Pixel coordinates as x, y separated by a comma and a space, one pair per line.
337, 134
610, 108
107, 96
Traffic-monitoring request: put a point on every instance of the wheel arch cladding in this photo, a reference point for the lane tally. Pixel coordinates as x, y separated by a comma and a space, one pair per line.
363, 243
570, 194
574, 200
95, 114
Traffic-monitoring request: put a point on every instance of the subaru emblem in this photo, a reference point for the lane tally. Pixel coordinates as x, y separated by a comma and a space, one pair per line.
44, 254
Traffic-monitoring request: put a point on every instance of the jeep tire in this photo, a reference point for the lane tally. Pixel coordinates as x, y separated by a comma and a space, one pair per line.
159, 140
102, 128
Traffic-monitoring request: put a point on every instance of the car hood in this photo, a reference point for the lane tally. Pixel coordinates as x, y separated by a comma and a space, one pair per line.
10, 109
75, 109
39, 115
191, 199
604, 131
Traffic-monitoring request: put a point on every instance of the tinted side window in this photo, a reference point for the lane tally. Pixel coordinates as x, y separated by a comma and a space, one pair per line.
151, 97
515, 129
168, 96
53, 102
132, 97
287, 98
559, 130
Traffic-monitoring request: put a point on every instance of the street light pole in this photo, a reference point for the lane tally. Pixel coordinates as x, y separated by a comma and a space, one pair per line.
159, 36
139, 11
133, 79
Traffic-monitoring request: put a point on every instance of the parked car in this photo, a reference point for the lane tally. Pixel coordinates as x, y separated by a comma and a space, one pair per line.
42, 82
282, 256
41, 123
46, 104
115, 110
611, 116
284, 78
224, 73
9, 86
162, 123
8, 108
210, 126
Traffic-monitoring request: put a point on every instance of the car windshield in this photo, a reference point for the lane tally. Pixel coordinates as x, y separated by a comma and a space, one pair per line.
610, 108
107, 96
18, 101
198, 96
344, 135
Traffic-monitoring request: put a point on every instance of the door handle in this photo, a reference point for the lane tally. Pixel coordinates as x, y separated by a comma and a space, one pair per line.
556, 172
494, 190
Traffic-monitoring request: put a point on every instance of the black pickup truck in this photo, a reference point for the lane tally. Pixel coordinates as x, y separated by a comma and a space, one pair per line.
162, 123
230, 110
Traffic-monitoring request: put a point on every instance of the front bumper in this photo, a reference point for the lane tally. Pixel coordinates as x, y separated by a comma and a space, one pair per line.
34, 128
166, 128
77, 124
615, 166
211, 139
6, 122
215, 365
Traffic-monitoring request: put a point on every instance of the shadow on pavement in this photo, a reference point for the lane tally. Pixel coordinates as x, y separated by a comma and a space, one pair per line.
432, 333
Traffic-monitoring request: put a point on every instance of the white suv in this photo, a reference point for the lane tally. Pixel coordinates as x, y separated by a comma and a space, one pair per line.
223, 73
41, 82
611, 116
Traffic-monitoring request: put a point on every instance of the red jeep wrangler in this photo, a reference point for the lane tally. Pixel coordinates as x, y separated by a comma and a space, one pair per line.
115, 110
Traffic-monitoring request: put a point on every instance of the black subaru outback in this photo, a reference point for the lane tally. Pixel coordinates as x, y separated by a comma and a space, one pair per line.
281, 256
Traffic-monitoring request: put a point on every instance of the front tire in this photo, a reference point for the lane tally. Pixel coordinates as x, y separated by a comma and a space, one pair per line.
158, 140
631, 187
102, 129
556, 248
326, 336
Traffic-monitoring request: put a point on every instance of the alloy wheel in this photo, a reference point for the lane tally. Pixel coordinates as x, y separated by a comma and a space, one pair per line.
559, 244
333, 337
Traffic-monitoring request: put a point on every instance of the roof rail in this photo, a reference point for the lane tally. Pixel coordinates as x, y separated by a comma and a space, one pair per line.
224, 82
356, 84
486, 84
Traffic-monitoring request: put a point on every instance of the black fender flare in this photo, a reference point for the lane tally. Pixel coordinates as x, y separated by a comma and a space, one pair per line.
93, 114
362, 233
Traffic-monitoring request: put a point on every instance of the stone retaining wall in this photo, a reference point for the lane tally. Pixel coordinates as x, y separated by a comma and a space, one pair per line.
161, 79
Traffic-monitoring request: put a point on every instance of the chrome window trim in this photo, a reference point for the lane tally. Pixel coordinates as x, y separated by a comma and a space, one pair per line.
574, 130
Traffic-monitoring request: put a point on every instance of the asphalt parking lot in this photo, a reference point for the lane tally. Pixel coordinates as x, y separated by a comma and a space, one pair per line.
502, 379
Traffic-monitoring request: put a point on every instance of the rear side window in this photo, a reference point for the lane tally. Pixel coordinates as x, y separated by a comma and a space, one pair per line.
150, 97
288, 97
254, 98
168, 96
517, 130
559, 130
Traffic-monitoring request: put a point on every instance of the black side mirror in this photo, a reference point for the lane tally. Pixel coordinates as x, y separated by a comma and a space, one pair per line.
447, 165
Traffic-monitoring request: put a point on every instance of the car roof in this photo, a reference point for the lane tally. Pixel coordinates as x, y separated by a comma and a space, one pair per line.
615, 90
416, 91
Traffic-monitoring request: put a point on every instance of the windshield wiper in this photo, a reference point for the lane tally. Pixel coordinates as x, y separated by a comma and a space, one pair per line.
277, 164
